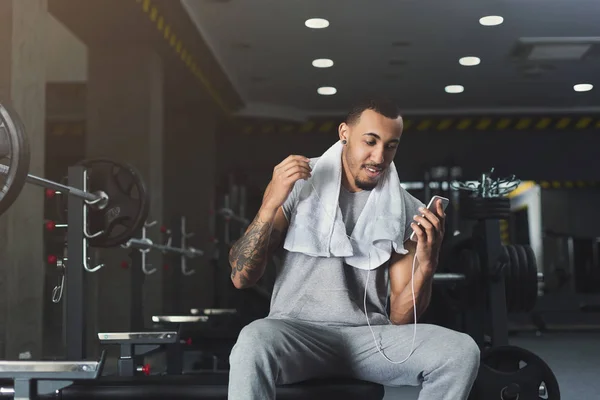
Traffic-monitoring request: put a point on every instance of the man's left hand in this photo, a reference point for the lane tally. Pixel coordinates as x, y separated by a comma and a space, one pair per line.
429, 229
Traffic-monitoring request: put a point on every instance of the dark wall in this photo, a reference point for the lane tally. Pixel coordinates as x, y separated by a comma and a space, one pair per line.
189, 187
529, 155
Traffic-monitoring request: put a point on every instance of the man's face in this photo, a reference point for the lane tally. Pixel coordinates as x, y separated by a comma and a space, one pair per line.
371, 146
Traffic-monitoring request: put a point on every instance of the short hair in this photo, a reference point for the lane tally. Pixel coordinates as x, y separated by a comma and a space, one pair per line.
385, 107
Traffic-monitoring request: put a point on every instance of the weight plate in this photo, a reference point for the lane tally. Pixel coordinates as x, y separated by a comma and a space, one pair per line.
513, 285
510, 372
14, 157
128, 202
530, 293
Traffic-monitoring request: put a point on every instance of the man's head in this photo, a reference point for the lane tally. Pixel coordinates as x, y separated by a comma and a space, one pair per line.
370, 133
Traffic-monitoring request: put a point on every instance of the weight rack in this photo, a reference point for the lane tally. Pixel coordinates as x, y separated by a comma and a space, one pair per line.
75, 264
74, 295
175, 246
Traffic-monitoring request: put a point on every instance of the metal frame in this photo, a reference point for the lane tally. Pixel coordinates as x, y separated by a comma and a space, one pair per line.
137, 290
136, 345
74, 296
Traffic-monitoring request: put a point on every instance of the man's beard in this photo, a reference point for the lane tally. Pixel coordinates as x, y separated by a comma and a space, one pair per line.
366, 184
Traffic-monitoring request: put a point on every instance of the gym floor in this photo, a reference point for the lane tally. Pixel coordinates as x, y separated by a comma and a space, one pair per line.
573, 357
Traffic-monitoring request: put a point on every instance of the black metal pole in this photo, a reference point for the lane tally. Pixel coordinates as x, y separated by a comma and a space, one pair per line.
137, 293
74, 271
497, 287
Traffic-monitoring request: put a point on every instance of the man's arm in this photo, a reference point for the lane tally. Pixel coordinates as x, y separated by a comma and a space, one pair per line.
250, 254
401, 297
429, 228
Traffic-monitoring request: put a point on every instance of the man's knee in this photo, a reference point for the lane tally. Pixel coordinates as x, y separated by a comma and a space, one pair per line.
466, 353
256, 342
452, 349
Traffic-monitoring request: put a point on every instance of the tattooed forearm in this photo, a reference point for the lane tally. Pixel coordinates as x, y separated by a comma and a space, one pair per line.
249, 255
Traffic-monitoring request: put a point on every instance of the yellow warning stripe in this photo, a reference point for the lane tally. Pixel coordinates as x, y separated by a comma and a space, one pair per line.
180, 49
466, 124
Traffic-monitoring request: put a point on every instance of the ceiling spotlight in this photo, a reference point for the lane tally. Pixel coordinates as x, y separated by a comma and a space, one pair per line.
491, 20
316, 23
326, 91
583, 87
454, 89
469, 61
322, 63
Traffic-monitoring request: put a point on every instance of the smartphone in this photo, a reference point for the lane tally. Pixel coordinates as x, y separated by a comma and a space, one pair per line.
431, 207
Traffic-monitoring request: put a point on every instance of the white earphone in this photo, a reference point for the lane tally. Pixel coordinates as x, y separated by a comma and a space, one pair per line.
365, 299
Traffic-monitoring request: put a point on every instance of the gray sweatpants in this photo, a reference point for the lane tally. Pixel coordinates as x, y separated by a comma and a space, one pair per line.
270, 352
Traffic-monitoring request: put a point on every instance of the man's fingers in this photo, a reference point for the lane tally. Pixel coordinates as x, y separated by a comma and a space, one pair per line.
440, 209
290, 165
418, 231
427, 226
297, 175
431, 217
291, 159
296, 168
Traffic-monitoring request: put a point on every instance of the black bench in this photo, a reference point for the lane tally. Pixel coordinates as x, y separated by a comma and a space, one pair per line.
213, 387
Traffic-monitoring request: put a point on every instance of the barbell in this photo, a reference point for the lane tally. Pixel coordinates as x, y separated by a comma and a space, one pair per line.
146, 244
115, 196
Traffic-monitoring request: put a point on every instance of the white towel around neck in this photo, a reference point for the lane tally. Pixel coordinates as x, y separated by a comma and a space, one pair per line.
316, 227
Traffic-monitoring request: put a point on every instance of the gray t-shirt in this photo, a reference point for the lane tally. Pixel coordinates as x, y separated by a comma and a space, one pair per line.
325, 289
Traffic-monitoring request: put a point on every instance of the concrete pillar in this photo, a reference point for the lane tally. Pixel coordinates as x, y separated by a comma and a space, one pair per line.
125, 123
22, 261
190, 165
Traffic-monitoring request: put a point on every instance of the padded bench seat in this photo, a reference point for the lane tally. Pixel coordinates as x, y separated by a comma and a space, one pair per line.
212, 387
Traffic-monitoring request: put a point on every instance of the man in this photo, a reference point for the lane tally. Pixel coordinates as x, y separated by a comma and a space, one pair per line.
317, 326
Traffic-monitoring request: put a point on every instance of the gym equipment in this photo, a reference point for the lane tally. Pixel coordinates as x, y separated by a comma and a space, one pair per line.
128, 202
508, 282
108, 197
502, 376
34, 378
517, 264
14, 146
117, 203
212, 387
144, 245
212, 334
135, 345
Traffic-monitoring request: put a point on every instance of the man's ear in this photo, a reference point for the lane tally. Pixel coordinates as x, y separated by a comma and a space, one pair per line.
343, 131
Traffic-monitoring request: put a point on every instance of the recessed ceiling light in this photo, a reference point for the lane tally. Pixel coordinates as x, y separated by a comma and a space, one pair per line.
326, 91
469, 61
322, 63
316, 23
491, 20
583, 87
454, 89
